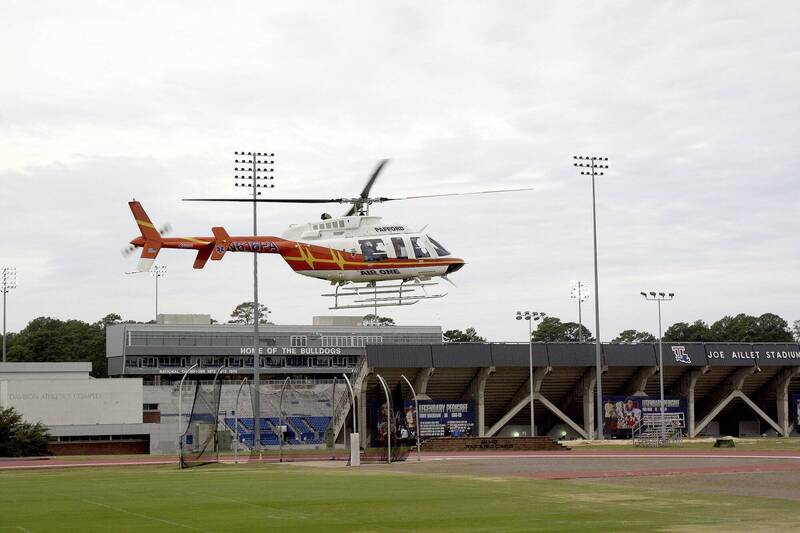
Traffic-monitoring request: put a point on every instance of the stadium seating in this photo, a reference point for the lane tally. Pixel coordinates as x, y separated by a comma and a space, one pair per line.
300, 430
319, 423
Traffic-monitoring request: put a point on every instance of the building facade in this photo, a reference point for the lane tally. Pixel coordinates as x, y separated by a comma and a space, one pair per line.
162, 353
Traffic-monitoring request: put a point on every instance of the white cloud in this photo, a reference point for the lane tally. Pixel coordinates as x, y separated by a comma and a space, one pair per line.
695, 104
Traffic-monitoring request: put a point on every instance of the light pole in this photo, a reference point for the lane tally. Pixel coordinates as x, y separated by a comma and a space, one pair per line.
254, 169
530, 317
595, 165
8, 281
660, 297
579, 292
158, 271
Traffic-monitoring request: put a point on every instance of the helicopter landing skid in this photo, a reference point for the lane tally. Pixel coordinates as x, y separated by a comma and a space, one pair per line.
371, 294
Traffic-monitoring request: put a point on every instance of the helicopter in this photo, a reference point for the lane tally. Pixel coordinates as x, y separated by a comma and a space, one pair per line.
370, 263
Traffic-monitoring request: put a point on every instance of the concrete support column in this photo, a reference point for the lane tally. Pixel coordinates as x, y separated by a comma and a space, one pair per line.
475, 391
520, 400
421, 383
781, 385
731, 388
686, 388
637, 384
587, 384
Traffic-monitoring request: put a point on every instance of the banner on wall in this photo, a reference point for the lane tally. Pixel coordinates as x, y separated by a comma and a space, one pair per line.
622, 413
441, 418
437, 418
796, 404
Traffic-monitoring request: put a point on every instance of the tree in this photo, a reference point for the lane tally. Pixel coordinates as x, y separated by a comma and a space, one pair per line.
376, 320
697, 331
51, 339
631, 336
456, 335
19, 438
768, 327
110, 319
243, 314
796, 330
551, 329
748, 328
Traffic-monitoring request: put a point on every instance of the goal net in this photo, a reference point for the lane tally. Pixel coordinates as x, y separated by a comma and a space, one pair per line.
199, 443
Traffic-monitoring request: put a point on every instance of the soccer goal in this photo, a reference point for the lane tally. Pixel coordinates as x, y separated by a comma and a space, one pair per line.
199, 442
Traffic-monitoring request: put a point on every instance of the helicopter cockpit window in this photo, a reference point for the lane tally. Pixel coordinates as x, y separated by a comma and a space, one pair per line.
441, 251
373, 249
419, 248
400, 250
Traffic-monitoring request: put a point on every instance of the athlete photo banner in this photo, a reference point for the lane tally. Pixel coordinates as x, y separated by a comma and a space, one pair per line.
440, 418
622, 413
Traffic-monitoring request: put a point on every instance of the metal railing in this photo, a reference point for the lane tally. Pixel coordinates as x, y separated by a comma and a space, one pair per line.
651, 432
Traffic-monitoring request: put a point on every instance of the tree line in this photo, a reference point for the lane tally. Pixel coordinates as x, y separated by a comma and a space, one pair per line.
746, 328
54, 340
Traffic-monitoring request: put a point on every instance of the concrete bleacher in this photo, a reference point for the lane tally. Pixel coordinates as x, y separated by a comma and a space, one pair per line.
300, 430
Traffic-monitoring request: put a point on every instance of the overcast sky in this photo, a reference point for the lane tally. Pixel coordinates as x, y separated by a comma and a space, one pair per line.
695, 104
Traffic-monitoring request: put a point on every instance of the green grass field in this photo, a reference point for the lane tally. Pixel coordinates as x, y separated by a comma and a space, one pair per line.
302, 498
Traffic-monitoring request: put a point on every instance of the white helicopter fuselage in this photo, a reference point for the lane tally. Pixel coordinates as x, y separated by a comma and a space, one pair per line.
369, 250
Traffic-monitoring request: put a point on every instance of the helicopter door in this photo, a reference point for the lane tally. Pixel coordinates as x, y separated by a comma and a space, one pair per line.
400, 248
420, 250
373, 249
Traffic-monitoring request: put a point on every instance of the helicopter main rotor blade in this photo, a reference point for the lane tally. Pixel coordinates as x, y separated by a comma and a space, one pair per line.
368, 186
371, 181
273, 200
383, 199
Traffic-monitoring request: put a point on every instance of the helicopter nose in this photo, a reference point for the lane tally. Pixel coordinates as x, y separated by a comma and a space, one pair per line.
455, 267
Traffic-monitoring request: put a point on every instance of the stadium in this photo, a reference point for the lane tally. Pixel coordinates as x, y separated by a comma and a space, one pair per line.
399, 267
473, 402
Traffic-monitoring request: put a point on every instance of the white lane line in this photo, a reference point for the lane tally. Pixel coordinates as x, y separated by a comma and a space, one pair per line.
24, 529
141, 515
609, 456
74, 465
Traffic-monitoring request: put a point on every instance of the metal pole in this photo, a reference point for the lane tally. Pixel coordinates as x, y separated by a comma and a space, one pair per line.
256, 318
353, 398
580, 316
156, 297
216, 409
4, 318
236, 422
416, 413
333, 416
180, 412
388, 418
661, 375
281, 418
598, 348
530, 371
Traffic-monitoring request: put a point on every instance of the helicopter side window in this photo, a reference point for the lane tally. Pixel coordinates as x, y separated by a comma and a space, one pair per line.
441, 251
400, 250
373, 249
419, 248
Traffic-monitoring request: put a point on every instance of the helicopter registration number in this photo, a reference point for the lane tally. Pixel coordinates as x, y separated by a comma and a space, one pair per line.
379, 272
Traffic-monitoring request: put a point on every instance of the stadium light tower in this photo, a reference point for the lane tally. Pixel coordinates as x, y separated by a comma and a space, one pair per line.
8, 281
530, 318
158, 271
594, 167
579, 292
254, 170
660, 297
